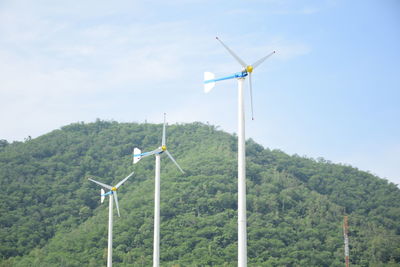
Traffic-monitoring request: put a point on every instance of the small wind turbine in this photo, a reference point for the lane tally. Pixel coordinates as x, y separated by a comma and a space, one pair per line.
209, 83
112, 194
137, 155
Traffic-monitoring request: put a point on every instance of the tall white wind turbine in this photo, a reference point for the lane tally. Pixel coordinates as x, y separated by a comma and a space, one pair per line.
112, 194
209, 83
137, 155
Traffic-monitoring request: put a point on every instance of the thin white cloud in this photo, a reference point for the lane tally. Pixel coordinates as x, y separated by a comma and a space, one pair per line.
309, 10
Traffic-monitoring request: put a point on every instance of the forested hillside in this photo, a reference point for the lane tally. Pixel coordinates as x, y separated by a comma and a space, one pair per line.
51, 214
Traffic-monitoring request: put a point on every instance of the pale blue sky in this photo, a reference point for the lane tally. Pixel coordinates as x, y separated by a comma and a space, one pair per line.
332, 90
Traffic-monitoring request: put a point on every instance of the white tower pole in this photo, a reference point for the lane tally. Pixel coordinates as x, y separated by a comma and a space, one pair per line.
156, 245
242, 221
346, 240
110, 226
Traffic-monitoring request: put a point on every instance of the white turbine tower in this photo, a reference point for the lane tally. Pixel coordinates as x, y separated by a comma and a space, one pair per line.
112, 194
209, 83
137, 155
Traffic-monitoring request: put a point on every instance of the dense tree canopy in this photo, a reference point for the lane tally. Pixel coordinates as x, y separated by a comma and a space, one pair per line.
51, 215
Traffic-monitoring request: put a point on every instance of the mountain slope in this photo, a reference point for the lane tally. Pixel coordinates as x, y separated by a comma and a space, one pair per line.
52, 216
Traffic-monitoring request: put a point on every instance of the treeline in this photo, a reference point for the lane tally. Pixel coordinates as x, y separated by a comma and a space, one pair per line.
51, 215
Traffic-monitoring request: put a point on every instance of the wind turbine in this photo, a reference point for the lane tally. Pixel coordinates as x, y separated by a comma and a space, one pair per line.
137, 155
209, 83
112, 194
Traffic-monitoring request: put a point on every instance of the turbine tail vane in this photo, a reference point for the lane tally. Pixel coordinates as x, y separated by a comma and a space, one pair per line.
209, 81
102, 196
241, 62
261, 60
174, 161
137, 155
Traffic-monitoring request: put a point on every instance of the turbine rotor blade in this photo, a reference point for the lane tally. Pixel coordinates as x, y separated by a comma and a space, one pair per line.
174, 161
241, 62
101, 184
115, 196
163, 133
123, 181
261, 60
251, 97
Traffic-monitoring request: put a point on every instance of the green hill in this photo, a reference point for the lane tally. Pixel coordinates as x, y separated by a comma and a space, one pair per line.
51, 215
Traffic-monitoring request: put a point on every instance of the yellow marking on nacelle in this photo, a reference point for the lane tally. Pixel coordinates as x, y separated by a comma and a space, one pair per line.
249, 69
114, 189
164, 148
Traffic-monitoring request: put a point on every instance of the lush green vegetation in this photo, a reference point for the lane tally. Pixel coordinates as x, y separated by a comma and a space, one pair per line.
51, 215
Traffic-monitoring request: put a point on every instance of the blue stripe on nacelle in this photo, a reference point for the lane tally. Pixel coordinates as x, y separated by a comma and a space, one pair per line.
236, 75
108, 193
241, 74
146, 153
141, 154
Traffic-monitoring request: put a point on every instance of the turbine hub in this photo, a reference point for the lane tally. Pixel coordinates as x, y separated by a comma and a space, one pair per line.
164, 148
249, 68
114, 188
